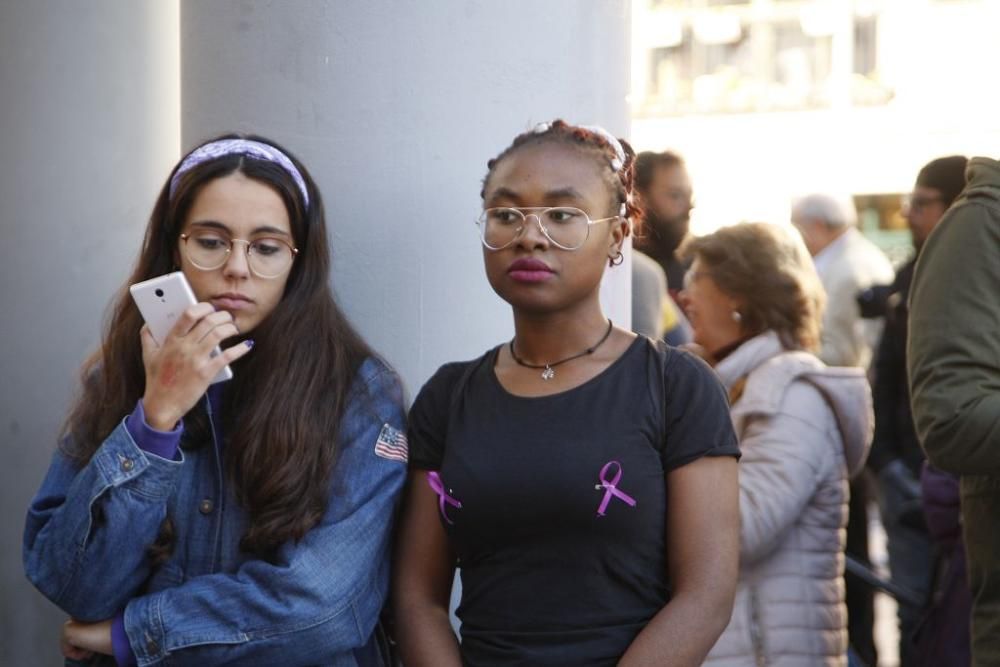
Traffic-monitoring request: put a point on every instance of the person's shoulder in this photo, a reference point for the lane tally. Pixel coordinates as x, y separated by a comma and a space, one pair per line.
372, 368
647, 267
447, 377
649, 283
766, 388
678, 365
449, 372
983, 180
378, 383
790, 363
865, 255
972, 223
375, 371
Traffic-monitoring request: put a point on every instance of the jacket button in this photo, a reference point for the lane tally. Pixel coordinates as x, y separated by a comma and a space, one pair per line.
152, 647
127, 465
206, 506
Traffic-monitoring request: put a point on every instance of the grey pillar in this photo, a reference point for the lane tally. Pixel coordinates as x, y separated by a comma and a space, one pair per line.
395, 108
89, 126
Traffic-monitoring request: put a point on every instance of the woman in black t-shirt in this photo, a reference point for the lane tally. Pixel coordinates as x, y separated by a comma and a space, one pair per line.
583, 479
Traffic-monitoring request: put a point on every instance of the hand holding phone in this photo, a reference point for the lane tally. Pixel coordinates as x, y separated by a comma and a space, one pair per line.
180, 345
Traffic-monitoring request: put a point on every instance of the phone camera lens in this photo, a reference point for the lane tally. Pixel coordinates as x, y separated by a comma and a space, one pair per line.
159, 292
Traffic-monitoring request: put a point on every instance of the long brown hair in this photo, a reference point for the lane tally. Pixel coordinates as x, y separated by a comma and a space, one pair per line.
283, 408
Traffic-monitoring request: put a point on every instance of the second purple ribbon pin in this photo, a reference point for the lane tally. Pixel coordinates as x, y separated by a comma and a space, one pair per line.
434, 479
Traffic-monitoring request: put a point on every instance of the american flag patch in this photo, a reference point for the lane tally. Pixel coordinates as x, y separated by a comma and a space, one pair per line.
391, 444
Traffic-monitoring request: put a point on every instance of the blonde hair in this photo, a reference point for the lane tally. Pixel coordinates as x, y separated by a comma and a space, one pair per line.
767, 269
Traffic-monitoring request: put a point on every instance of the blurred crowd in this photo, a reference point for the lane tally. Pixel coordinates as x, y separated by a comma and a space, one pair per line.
856, 387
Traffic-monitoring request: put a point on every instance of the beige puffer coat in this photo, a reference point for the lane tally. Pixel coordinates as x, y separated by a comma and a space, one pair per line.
804, 429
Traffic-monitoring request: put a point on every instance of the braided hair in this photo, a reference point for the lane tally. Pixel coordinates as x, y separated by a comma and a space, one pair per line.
620, 168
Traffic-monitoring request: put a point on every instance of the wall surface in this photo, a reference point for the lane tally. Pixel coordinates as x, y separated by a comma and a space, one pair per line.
395, 107
89, 126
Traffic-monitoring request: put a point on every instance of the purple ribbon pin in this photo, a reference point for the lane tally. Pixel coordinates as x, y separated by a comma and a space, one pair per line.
611, 488
437, 485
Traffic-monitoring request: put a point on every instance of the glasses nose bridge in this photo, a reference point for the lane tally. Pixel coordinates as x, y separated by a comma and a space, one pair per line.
537, 215
233, 242
232, 256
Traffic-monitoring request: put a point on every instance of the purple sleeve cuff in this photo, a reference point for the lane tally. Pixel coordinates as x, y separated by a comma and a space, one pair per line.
161, 443
120, 643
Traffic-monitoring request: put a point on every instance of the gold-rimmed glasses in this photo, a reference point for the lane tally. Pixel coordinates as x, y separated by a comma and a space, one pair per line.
565, 226
267, 256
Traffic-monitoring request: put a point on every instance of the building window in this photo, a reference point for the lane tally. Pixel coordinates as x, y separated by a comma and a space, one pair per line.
711, 56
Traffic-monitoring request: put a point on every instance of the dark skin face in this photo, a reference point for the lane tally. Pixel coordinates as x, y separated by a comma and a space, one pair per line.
557, 309
543, 175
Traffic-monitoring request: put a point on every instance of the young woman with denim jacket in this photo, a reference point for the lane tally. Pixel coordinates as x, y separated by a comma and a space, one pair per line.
246, 522
582, 478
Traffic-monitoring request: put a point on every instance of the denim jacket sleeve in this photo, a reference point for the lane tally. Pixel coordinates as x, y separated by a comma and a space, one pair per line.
85, 517
320, 597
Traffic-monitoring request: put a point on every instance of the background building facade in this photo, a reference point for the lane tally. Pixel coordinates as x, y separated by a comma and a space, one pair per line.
768, 99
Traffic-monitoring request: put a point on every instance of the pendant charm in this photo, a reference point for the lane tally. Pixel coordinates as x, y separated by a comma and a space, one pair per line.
548, 373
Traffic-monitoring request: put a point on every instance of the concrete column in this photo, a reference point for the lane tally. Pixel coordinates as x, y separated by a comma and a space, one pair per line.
89, 126
395, 107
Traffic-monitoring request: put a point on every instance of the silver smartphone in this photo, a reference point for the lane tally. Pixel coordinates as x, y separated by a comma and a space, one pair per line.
161, 301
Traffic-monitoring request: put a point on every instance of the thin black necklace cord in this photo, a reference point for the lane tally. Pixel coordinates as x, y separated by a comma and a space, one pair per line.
548, 373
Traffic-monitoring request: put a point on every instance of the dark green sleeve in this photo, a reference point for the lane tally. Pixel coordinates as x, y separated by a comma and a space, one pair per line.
954, 344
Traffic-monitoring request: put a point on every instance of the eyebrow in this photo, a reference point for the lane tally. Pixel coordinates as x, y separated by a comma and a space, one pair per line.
558, 193
263, 229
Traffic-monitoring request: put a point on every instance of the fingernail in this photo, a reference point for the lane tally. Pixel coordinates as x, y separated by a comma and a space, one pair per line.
249, 342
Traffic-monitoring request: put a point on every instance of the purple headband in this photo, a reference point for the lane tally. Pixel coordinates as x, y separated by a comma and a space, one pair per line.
254, 149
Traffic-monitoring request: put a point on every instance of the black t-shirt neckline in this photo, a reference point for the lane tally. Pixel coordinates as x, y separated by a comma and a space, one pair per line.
566, 392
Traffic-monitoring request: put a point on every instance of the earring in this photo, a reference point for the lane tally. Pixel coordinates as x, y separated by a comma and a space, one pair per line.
736, 316
617, 259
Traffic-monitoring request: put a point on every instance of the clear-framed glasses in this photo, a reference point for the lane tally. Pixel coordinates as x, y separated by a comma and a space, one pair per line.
566, 227
267, 256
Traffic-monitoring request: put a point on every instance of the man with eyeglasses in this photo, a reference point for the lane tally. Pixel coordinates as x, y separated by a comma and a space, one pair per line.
953, 358
896, 457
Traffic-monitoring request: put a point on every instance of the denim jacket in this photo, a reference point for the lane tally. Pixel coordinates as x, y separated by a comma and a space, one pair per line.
317, 603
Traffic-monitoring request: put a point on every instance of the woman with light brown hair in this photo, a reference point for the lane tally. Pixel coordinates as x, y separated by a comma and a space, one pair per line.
754, 303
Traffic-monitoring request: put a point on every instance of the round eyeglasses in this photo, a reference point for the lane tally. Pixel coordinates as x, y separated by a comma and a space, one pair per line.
566, 227
267, 257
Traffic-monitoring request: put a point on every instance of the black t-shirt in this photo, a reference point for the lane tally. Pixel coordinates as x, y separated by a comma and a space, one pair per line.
547, 579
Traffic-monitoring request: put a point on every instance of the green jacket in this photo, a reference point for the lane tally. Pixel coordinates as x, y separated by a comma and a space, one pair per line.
954, 345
